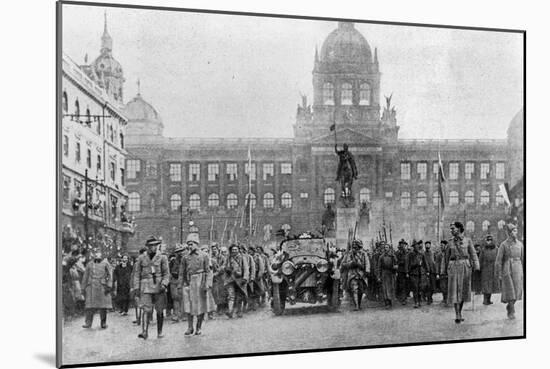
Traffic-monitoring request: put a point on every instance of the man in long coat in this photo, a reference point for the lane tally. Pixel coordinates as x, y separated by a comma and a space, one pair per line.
235, 280
258, 279
431, 272
461, 259
489, 279
217, 260
252, 273
194, 269
134, 292
122, 276
355, 267
401, 289
385, 272
417, 271
441, 270
509, 268
98, 284
151, 280
175, 290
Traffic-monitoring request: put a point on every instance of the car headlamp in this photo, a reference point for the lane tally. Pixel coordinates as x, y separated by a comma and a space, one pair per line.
322, 266
288, 268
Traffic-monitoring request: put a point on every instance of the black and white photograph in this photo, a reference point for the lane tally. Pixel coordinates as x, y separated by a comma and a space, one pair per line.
238, 184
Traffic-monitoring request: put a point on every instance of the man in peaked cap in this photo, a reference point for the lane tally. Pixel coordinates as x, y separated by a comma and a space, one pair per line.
175, 291
193, 273
401, 284
151, 279
235, 280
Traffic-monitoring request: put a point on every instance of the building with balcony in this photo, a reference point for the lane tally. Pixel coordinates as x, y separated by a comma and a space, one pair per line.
173, 180
93, 154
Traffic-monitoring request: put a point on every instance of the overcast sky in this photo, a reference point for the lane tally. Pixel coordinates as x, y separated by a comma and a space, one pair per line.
239, 76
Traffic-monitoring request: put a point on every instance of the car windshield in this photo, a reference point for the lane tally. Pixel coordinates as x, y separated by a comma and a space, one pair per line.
314, 247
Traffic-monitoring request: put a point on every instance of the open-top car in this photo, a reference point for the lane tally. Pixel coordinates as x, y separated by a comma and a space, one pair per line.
304, 270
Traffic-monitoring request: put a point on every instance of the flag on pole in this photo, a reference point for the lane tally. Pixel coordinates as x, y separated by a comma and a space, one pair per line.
441, 182
503, 188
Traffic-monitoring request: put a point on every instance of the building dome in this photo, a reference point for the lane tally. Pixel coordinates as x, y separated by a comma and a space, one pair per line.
139, 109
345, 46
107, 65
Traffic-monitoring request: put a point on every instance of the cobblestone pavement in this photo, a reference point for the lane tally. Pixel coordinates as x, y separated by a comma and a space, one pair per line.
300, 328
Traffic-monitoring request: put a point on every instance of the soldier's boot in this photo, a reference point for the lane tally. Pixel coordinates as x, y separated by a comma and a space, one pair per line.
460, 306
230, 307
89, 318
359, 298
144, 325
240, 307
138, 316
457, 314
355, 299
160, 322
103, 318
200, 319
189, 330
511, 310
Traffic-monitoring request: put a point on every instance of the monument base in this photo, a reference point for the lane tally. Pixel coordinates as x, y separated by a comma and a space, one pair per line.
345, 221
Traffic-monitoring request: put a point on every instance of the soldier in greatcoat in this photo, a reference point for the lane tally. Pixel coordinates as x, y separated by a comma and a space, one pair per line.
461, 259
266, 280
441, 270
509, 268
416, 271
175, 290
151, 281
193, 276
431, 272
235, 277
134, 293
122, 276
355, 268
217, 260
489, 279
258, 278
97, 284
401, 289
385, 273
210, 303
252, 273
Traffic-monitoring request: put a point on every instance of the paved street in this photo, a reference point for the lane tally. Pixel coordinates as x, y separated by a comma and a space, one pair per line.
300, 328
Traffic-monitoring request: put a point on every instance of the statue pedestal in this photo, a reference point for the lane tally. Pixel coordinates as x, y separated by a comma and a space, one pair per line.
345, 220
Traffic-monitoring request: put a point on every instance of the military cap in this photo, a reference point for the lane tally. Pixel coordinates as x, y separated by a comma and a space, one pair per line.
152, 241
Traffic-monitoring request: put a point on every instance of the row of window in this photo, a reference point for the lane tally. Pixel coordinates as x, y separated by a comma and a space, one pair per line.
76, 116
469, 198
213, 170
213, 201
99, 159
346, 94
470, 227
453, 170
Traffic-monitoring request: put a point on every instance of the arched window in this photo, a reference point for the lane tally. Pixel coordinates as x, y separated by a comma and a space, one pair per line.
88, 117
453, 198
328, 94
364, 94
421, 199
347, 94
213, 200
286, 200
435, 198
134, 202
65, 102
501, 223
76, 109
484, 198
175, 202
485, 225
328, 196
364, 195
470, 226
252, 200
405, 200
195, 201
121, 141
232, 201
469, 197
268, 200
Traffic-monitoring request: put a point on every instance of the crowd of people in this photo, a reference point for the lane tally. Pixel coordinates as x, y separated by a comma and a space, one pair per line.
196, 283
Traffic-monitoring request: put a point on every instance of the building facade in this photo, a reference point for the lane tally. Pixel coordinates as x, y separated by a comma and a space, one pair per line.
174, 180
93, 130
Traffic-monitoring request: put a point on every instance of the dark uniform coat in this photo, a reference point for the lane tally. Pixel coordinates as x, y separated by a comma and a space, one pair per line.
236, 271
150, 274
385, 272
489, 277
98, 283
509, 266
355, 266
122, 276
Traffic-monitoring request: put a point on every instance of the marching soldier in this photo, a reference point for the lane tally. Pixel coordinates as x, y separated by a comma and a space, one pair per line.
441, 270
247, 303
175, 290
151, 280
266, 280
489, 279
218, 292
401, 282
431, 272
235, 278
509, 267
416, 271
355, 267
258, 278
385, 269
98, 284
193, 273
133, 291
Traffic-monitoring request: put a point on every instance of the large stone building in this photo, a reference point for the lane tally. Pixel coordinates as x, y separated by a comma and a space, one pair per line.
173, 180
93, 130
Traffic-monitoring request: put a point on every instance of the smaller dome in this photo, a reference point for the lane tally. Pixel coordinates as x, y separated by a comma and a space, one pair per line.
106, 64
139, 109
